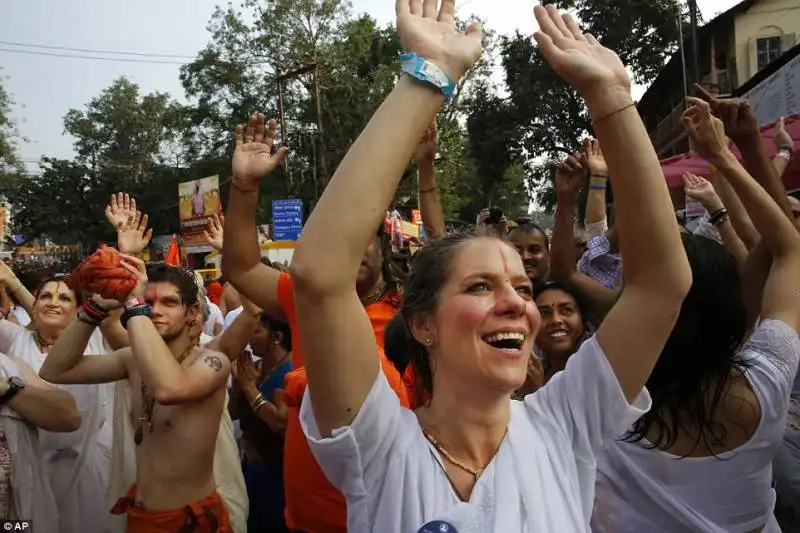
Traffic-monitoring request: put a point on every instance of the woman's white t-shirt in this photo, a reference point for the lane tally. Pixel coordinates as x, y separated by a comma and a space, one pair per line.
642, 489
542, 478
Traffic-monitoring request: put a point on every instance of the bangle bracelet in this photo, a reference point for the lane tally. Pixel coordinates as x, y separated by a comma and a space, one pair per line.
717, 216
240, 189
432, 189
259, 398
597, 186
15, 290
603, 176
609, 115
86, 319
785, 154
721, 220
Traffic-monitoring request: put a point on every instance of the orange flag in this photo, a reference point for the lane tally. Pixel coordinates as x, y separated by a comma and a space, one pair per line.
174, 253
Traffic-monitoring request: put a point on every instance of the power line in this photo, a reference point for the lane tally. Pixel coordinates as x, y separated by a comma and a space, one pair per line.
94, 51
75, 56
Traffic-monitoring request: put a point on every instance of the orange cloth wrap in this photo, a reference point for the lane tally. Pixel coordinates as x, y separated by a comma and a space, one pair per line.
314, 505
207, 516
102, 273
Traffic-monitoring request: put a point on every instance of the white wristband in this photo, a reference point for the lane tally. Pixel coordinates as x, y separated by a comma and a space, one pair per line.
786, 154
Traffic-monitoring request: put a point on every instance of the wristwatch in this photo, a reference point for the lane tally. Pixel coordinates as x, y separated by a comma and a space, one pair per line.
15, 384
137, 310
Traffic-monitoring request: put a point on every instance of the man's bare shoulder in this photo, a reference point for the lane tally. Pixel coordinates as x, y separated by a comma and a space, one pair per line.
215, 360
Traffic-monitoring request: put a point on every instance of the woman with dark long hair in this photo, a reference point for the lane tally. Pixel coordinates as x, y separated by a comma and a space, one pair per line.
469, 456
701, 458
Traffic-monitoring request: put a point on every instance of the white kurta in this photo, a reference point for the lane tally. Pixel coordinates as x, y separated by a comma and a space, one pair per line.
76, 463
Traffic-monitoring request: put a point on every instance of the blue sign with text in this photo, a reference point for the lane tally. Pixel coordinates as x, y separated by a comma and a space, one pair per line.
287, 219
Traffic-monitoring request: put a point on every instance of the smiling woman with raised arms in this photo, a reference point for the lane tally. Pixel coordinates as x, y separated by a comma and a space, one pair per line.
472, 457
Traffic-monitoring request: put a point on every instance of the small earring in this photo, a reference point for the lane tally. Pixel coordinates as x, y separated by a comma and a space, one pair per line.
428, 342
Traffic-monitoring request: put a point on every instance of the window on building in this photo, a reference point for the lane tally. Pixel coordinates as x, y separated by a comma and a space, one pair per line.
768, 49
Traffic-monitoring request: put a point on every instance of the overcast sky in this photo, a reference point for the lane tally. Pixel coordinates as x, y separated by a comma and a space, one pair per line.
45, 87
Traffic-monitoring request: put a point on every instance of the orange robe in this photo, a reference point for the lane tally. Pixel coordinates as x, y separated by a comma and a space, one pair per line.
313, 505
207, 516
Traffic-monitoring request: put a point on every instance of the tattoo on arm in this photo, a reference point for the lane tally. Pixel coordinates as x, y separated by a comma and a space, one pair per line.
214, 362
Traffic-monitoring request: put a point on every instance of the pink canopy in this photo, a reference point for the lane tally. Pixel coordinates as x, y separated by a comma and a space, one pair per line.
675, 166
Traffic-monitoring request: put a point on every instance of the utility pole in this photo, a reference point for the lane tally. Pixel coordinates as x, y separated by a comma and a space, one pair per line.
695, 52
320, 134
282, 116
284, 132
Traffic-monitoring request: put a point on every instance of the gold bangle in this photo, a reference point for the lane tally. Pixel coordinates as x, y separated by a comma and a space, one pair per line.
256, 400
259, 406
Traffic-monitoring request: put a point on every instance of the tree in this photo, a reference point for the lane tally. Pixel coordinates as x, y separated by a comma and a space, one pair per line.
353, 65
552, 118
10, 166
124, 141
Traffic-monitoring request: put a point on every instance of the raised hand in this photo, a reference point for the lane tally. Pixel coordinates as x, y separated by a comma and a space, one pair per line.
120, 207
705, 130
6, 274
133, 236
137, 267
593, 156
569, 179
213, 234
736, 114
700, 189
578, 58
253, 158
782, 139
428, 145
432, 35
245, 370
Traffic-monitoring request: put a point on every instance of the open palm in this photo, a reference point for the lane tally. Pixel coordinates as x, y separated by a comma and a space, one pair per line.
253, 158
432, 36
579, 59
698, 188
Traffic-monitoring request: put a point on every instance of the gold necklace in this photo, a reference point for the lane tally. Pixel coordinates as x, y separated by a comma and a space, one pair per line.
476, 473
149, 406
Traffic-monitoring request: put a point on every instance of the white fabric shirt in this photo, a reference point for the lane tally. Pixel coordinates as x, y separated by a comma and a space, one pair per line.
231, 316
542, 478
23, 319
214, 317
641, 489
76, 463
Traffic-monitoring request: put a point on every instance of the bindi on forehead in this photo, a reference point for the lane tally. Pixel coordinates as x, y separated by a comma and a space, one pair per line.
159, 292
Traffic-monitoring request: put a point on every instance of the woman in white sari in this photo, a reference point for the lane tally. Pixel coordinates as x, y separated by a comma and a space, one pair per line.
76, 463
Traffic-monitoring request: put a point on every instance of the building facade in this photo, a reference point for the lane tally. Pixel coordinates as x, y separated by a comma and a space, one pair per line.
733, 48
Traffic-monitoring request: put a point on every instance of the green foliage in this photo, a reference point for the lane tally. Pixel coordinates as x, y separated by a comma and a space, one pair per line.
497, 141
123, 142
551, 117
10, 166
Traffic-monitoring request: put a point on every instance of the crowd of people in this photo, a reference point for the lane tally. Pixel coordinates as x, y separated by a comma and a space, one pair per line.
624, 375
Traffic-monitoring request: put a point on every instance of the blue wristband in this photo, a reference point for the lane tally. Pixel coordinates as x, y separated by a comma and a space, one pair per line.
425, 71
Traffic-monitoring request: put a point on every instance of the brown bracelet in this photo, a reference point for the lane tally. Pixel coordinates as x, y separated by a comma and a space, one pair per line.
241, 189
601, 119
432, 189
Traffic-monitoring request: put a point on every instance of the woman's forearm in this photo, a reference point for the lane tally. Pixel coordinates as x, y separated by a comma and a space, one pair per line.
368, 175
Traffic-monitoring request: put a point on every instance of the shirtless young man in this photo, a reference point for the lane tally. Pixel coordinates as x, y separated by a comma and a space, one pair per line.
176, 415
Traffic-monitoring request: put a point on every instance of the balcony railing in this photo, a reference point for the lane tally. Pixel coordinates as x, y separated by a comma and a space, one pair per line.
668, 126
